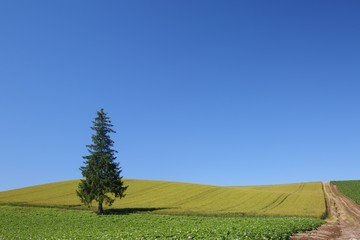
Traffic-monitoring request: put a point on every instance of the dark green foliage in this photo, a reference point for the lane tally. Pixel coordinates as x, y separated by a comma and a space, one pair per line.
350, 189
46, 223
102, 174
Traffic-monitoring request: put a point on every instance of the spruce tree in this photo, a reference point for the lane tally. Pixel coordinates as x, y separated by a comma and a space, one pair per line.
102, 180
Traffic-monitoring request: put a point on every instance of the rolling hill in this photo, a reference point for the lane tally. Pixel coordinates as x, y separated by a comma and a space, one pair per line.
302, 199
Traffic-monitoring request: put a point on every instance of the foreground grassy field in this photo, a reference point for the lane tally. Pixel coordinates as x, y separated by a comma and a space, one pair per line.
51, 223
350, 189
304, 199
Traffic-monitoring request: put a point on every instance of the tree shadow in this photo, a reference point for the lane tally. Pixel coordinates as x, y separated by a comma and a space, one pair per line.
72, 205
125, 211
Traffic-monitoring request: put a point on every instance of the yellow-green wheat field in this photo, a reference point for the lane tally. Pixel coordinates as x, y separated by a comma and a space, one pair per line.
302, 199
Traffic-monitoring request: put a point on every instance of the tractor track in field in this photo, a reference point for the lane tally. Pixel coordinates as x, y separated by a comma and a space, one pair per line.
343, 222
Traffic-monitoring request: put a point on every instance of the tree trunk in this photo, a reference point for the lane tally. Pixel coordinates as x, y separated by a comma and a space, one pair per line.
100, 210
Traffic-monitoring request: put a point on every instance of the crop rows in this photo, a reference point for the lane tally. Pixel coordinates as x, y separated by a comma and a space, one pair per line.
47, 223
303, 199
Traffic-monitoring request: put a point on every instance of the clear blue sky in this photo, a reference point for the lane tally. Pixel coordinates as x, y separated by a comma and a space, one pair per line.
216, 92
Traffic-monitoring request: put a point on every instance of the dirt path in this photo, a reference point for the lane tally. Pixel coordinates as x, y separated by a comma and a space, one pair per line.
343, 222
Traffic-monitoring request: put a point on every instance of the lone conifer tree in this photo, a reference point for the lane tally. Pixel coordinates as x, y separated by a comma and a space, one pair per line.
101, 172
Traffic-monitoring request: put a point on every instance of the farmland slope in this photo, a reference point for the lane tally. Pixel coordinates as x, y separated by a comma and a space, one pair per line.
350, 189
343, 221
302, 199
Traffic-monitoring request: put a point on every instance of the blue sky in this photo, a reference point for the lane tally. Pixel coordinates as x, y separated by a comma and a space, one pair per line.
215, 92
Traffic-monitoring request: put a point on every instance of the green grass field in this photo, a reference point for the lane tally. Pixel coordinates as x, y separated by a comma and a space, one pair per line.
350, 189
51, 223
303, 199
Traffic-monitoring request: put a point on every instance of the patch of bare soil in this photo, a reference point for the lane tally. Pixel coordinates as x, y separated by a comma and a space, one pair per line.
343, 222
